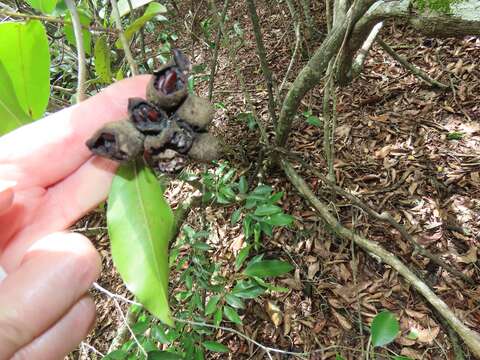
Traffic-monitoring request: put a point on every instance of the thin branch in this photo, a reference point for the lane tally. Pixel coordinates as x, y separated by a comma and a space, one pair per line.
246, 94
245, 337
298, 40
267, 74
123, 39
313, 72
52, 19
91, 348
410, 67
363, 51
81, 58
220, 31
469, 336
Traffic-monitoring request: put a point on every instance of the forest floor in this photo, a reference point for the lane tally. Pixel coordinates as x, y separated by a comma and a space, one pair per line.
401, 146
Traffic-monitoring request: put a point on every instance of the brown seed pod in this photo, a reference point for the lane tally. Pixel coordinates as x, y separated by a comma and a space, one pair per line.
196, 111
118, 140
205, 148
145, 116
174, 136
167, 87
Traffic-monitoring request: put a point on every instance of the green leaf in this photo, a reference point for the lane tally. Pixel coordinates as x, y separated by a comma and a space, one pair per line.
262, 190
152, 10
85, 20
243, 185
234, 301
217, 317
199, 353
116, 355
385, 328
25, 57
399, 357
11, 113
215, 346
44, 6
267, 210
413, 334
338, 357
124, 7
140, 225
267, 268
159, 334
236, 216
242, 256
455, 135
163, 355
313, 120
102, 60
275, 197
232, 315
247, 290
212, 305
279, 219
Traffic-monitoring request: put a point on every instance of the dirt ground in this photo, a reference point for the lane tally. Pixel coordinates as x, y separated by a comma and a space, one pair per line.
402, 146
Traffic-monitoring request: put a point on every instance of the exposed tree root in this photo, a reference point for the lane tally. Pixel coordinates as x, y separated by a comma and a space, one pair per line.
410, 67
470, 337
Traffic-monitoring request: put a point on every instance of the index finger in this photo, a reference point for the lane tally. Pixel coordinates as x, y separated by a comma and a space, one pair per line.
44, 152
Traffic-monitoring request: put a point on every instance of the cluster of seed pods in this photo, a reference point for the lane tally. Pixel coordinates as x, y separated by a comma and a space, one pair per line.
167, 128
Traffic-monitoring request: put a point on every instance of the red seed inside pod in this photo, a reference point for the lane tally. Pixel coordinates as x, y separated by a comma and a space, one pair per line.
170, 83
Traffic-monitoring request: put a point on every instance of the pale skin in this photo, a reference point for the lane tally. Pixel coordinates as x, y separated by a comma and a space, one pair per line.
48, 180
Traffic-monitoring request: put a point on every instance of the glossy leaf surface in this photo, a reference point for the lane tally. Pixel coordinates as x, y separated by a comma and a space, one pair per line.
85, 20
11, 113
24, 54
140, 225
267, 268
215, 346
102, 60
44, 6
163, 355
385, 328
152, 10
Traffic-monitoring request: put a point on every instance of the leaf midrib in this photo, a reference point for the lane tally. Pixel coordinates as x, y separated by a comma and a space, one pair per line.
148, 227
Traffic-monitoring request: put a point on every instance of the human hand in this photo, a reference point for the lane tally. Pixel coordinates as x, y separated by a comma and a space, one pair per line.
48, 180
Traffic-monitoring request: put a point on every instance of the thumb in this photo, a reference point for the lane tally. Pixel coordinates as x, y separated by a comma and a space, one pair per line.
6, 195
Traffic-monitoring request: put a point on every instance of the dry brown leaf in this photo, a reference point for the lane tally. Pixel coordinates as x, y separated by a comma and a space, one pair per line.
313, 269
383, 152
342, 320
426, 335
469, 257
274, 313
415, 314
413, 354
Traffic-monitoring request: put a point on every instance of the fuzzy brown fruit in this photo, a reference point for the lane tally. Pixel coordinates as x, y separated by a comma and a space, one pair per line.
205, 148
196, 111
174, 136
118, 140
168, 87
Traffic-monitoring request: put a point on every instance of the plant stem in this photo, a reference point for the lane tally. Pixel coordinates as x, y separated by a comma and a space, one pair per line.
220, 31
262, 54
123, 39
82, 67
51, 19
